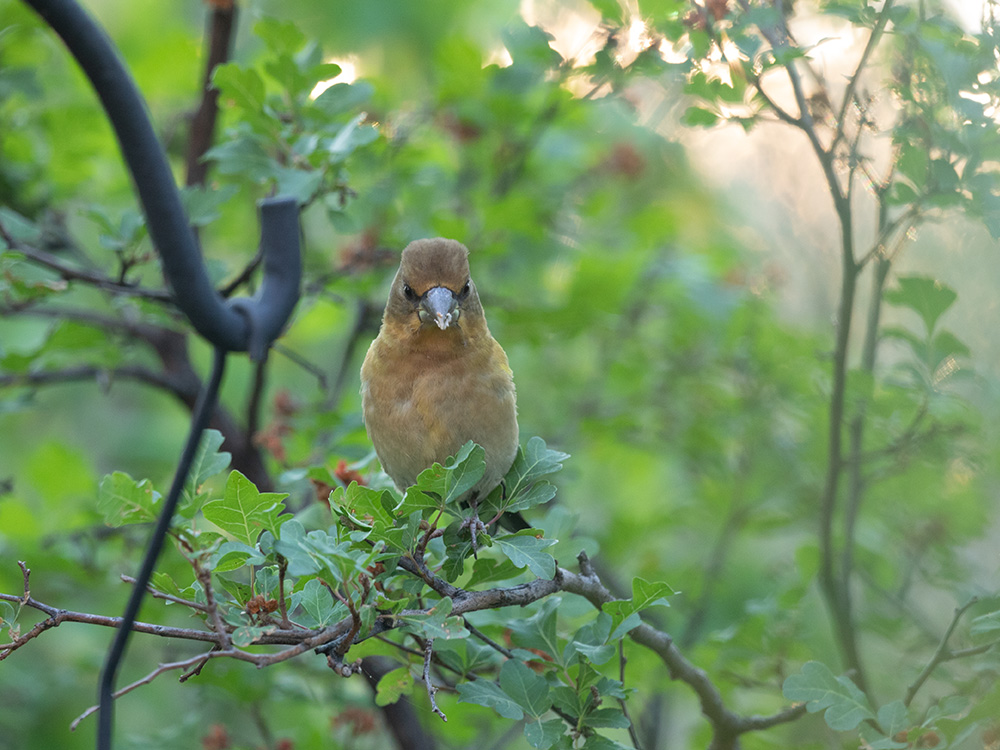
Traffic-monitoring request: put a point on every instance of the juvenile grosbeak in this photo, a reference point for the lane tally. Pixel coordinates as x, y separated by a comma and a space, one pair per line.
435, 377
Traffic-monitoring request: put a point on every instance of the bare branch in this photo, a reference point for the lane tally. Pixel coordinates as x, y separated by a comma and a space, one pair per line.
943, 653
93, 278
852, 82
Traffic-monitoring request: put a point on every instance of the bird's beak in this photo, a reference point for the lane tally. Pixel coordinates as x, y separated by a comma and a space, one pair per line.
439, 305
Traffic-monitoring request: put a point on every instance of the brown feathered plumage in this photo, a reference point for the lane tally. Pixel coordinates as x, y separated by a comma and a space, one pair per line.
435, 377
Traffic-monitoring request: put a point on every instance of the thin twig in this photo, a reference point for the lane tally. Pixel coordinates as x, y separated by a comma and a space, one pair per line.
486, 639
431, 688
852, 82
93, 278
943, 653
621, 701
149, 678
218, 625
157, 594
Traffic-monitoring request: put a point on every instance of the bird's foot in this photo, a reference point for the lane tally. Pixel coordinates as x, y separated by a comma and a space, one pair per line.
474, 525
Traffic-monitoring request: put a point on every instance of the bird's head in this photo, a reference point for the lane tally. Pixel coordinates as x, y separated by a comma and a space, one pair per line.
433, 287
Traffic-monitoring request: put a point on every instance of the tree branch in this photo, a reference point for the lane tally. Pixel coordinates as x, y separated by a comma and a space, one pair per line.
726, 725
222, 23
943, 653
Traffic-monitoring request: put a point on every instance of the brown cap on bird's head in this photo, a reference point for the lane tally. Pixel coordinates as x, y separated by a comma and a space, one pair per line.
435, 262
433, 281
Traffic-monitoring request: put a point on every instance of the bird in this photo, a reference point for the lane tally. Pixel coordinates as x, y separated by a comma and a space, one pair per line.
434, 377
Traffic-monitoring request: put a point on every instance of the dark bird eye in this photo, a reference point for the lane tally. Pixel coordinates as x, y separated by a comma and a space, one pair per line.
465, 290
409, 293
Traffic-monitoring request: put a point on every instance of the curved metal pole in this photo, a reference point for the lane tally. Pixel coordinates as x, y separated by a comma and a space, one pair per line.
223, 325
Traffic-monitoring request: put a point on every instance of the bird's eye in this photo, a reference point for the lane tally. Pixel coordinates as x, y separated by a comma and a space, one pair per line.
465, 290
409, 293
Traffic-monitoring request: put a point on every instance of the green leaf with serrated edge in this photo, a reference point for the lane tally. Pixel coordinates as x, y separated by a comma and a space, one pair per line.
538, 632
417, 499
591, 640
393, 685
486, 693
122, 500
234, 555
247, 635
490, 570
526, 549
606, 718
456, 476
845, 705
317, 601
525, 687
538, 493
542, 735
646, 594
244, 511
533, 462
436, 622
292, 547
207, 462
927, 297
165, 583
364, 505
624, 613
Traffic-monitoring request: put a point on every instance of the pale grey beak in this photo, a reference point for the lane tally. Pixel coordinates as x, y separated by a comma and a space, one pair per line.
440, 305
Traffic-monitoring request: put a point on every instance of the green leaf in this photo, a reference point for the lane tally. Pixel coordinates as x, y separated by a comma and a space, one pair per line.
243, 85
207, 462
526, 549
122, 500
344, 97
8, 615
989, 623
646, 594
244, 511
234, 555
544, 734
393, 686
538, 632
606, 718
846, 706
534, 461
893, 718
247, 635
625, 613
925, 296
436, 622
318, 603
486, 693
279, 36
525, 687
538, 493
457, 476
490, 570
364, 506
311, 553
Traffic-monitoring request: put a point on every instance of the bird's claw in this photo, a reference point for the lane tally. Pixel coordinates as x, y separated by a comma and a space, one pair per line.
474, 525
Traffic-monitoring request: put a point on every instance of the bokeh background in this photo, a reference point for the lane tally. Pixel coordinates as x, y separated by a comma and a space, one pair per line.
666, 294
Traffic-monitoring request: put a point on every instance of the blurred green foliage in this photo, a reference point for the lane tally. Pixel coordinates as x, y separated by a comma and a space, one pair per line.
643, 340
